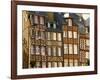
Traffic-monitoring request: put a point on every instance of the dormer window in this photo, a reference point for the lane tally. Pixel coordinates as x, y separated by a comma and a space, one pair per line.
54, 26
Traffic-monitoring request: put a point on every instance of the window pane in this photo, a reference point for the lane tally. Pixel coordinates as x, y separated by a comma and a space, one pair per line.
36, 19
59, 36
75, 49
69, 22
43, 64
31, 19
87, 42
65, 49
70, 49
43, 50
32, 50
75, 34
70, 62
75, 62
41, 20
70, 34
87, 54
54, 36
48, 35
38, 64
37, 50
48, 25
54, 51
54, 26
64, 34
65, 62
60, 64
54, 64
49, 51
42, 35
59, 51
49, 64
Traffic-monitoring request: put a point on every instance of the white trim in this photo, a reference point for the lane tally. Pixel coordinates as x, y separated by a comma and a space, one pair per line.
21, 71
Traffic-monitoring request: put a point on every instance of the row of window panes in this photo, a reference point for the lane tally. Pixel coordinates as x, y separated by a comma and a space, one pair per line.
38, 35
37, 50
55, 64
51, 25
84, 43
49, 64
36, 19
54, 36
69, 34
71, 62
71, 48
54, 51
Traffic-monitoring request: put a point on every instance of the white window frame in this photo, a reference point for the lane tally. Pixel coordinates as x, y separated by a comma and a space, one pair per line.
69, 34
65, 48
43, 50
75, 49
54, 51
48, 35
54, 36
59, 51
36, 19
59, 36
41, 20
75, 34
70, 49
49, 51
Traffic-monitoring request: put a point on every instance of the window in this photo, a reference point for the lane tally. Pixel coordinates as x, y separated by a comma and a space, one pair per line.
54, 26
43, 64
37, 35
33, 33
75, 62
64, 34
48, 35
60, 64
54, 64
37, 50
70, 34
84, 44
65, 62
59, 51
54, 36
49, 64
65, 49
41, 20
87, 42
49, 51
70, 49
43, 50
69, 22
32, 50
87, 55
75, 49
31, 19
70, 62
59, 36
42, 35
48, 25
75, 34
54, 51
38, 64
36, 19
